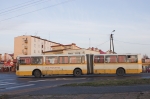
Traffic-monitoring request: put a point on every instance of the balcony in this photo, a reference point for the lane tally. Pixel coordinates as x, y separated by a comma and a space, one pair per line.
25, 47
26, 41
25, 53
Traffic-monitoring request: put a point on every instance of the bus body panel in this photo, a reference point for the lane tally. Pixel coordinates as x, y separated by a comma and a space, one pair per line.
87, 66
111, 68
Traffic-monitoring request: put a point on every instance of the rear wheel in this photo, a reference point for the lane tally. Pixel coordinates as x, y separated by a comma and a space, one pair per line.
120, 72
77, 72
37, 73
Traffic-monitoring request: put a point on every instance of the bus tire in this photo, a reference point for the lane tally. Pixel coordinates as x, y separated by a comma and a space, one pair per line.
120, 72
37, 73
77, 72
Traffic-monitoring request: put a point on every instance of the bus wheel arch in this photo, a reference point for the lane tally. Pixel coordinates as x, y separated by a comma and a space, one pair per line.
77, 72
36, 73
120, 71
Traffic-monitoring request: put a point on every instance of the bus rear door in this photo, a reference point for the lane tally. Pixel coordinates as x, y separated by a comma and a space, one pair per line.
90, 67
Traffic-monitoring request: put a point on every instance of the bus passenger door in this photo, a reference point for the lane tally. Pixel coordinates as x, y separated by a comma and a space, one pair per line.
90, 67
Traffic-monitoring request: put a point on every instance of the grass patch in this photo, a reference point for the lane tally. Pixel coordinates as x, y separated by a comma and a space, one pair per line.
113, 82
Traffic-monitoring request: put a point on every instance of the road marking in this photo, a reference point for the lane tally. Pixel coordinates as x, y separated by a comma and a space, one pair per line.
38, 81
7, 83
28, 90
4, 82
7, 79
20, 86
70, 78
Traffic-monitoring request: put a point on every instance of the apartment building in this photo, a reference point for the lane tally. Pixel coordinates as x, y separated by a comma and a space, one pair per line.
31, 45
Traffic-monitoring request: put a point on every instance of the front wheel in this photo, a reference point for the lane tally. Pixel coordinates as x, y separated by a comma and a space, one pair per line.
120, 72
37, 74
77, 72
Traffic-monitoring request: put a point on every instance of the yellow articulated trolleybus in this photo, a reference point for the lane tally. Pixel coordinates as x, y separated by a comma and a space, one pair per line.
77, 65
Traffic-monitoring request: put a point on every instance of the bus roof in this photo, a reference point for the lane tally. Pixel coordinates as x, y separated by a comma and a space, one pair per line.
120, 54
75, 55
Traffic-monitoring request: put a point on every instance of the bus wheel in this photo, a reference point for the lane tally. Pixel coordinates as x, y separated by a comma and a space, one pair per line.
37, 73
120, 72
77, 72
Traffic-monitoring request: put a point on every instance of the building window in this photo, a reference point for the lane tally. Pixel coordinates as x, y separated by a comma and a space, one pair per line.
70, 53
34, 45
34, 51
34, 39
42, 46
77, 52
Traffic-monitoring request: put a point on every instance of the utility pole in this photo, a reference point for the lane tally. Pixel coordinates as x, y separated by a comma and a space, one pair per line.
111, 41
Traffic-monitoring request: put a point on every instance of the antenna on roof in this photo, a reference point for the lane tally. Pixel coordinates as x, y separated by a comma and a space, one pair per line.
89, 42
49, 37
36, 33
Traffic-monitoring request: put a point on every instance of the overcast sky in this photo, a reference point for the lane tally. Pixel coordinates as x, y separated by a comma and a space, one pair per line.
88, 23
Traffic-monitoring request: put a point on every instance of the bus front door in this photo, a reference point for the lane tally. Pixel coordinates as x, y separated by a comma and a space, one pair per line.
90, 67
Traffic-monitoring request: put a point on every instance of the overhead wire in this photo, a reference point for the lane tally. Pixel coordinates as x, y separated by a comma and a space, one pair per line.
131, 42
121, 46
102, 43
16, 5
21, 7
36, 10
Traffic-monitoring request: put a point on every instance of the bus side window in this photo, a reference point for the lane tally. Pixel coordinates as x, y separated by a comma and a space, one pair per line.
25, 60
98, 59
63, 60
51, 60
111, 59
36, 60
132, 59
122, 59
75, 59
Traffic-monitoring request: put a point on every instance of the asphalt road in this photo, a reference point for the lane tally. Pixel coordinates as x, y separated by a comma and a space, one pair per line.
13, 85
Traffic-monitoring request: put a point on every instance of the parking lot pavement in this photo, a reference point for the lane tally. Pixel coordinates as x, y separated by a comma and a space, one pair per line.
131, 95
